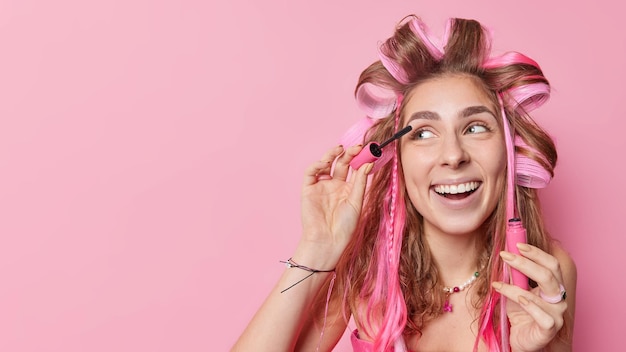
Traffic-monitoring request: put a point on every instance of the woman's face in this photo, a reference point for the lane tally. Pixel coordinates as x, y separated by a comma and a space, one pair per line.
454, 159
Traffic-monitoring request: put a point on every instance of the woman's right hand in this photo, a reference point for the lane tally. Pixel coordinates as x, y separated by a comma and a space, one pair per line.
331, 206
331, 203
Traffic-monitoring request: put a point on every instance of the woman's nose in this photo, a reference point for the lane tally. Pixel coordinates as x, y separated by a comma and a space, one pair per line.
453, 154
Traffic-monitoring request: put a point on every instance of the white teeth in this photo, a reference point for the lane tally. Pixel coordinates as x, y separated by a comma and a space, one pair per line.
455, 189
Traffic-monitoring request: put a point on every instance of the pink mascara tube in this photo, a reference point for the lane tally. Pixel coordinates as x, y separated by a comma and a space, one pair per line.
516, 233
373, 151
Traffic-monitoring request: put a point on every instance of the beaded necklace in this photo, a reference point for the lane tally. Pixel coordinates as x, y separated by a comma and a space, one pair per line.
447, 307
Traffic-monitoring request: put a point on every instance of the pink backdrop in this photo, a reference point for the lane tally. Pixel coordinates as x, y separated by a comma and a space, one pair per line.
151, 154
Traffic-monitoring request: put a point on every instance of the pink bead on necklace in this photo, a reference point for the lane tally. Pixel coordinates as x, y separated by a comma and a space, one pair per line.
447, 307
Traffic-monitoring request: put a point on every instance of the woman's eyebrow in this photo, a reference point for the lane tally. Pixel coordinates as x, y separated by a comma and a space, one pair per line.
427, 115
473, 110
468, 111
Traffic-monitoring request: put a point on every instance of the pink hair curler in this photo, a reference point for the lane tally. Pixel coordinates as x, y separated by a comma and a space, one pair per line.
529, 172
377, 102
421, 30
373, 151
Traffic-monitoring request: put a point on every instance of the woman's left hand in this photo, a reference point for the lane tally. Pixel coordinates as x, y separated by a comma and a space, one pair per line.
536, 316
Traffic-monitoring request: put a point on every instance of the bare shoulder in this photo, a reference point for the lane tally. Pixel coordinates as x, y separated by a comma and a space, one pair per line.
566, 263
569, 275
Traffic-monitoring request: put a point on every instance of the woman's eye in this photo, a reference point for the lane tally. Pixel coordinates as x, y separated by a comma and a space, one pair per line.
423, 134
477, 129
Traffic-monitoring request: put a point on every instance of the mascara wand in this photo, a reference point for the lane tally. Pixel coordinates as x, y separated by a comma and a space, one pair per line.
373, 151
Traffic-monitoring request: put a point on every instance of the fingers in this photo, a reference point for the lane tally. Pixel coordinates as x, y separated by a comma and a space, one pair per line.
541, 258
551, 324
549, 317
544, 269
342, 166
321, 168
538, 265
360, 182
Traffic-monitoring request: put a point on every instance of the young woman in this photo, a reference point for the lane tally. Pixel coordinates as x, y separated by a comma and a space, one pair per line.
418, 246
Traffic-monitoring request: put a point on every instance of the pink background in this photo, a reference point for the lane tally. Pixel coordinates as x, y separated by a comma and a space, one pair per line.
151, 155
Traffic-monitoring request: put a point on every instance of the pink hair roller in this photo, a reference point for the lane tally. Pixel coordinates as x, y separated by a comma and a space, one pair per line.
421, 30
530, 173
377, 102
393, 68
529, 96
509, 58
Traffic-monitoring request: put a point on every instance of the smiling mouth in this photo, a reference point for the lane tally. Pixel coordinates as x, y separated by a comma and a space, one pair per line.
459, 191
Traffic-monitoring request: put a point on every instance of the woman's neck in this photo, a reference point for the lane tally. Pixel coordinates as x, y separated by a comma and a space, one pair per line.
456, 256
